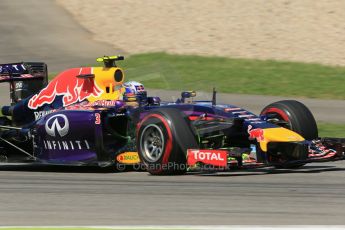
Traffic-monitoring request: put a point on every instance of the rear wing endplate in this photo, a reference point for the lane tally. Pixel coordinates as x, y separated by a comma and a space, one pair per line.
25, 78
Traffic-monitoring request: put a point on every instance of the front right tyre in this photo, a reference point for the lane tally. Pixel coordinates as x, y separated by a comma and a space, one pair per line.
297, 117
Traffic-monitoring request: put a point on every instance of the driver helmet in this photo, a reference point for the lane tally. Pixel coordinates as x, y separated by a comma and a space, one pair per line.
135, 91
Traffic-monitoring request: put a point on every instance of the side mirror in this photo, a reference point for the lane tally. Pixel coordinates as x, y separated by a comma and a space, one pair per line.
154, 101
187, 94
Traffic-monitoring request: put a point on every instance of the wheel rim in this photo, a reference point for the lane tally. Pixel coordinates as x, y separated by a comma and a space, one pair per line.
152, 143
280, 120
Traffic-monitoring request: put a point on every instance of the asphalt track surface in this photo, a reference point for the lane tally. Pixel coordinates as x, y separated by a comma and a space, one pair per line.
314, 194
37, 195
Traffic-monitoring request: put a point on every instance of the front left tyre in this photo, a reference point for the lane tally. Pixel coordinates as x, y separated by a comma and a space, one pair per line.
163, 137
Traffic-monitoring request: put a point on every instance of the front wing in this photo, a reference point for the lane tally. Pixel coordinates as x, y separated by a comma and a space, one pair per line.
320, 150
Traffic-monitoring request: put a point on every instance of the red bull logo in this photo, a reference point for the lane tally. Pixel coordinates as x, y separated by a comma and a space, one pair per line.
257, 134
66, 84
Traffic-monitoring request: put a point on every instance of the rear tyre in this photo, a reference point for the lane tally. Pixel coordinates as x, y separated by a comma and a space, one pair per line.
163, 137
297, 117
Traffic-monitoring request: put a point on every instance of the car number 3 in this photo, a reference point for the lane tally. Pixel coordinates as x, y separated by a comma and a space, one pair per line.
98, 118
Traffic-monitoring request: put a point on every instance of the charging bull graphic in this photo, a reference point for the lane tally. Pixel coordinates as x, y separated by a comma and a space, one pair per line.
257, 134
67, 84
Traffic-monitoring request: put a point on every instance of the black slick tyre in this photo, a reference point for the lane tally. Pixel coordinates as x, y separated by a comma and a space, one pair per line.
163, 137
297, 117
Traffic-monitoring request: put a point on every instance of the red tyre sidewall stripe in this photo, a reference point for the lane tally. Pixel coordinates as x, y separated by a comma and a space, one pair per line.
168, 145
278, 111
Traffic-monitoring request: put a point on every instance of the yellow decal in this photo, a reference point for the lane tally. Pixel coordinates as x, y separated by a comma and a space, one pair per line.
128, 158
279, 135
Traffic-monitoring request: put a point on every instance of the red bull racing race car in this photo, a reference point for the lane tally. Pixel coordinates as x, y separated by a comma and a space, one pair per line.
91, 116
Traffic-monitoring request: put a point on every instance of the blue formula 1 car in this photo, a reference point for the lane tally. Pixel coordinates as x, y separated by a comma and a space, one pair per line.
91, 116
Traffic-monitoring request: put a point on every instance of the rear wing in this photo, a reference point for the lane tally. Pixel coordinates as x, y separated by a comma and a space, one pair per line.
22, 71
25, 78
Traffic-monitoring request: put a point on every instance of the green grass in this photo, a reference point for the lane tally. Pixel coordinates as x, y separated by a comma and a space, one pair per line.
229, 75
331, 130
244, 76
234, 75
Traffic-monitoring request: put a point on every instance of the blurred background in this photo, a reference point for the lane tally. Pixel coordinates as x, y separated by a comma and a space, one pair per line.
295, 30
273, 49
